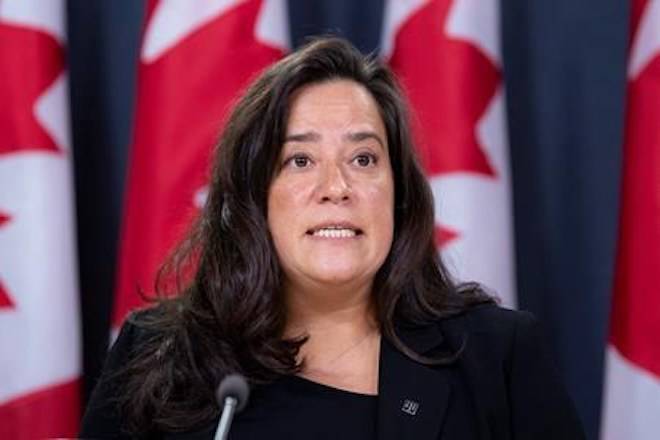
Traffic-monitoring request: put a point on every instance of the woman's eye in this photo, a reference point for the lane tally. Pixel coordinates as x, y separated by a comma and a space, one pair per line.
365, 160
299, 161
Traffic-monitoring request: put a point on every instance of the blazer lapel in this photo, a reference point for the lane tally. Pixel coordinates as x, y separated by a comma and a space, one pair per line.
412, 397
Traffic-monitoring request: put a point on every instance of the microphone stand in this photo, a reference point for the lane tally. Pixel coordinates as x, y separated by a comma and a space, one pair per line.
228, 410
232, 395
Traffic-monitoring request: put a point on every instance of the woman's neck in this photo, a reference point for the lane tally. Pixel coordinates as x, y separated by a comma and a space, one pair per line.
343, 337
329, 311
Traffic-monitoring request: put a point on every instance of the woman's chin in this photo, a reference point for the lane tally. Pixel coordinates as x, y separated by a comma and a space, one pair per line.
338, 277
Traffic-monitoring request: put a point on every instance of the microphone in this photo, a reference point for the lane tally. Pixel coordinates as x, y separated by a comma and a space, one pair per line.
232, 396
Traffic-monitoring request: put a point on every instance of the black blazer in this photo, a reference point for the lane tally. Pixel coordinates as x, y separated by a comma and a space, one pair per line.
503, 386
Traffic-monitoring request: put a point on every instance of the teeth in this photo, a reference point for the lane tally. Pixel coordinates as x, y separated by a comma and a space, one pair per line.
334, 233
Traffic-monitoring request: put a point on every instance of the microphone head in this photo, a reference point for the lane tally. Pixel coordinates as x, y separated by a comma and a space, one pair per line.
233, 385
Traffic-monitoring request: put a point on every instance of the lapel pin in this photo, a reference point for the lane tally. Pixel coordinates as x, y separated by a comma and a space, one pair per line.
410, 407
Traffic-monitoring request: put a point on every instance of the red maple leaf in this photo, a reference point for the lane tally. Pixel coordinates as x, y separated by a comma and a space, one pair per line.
5, 302
450, 83
444, 235
30, 61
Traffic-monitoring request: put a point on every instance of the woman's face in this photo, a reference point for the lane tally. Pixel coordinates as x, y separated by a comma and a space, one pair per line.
331, 202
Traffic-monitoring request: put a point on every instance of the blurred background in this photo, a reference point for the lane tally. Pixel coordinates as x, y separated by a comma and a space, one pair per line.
538, 124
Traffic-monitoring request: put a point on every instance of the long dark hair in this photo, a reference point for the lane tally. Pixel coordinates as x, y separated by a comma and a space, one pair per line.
228, 314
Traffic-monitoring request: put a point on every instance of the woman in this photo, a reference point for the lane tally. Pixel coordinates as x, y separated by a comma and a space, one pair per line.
314, 273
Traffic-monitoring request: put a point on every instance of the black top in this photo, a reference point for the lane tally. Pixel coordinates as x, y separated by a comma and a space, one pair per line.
502, 386
294, 408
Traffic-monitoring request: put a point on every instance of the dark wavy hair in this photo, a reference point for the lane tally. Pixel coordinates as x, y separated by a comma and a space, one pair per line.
228, 313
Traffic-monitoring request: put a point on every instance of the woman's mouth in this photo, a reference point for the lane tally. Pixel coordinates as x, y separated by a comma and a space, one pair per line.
335, 231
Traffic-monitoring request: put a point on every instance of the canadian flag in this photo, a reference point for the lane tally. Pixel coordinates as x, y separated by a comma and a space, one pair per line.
632, 394
196, 58
447, 55
40, 360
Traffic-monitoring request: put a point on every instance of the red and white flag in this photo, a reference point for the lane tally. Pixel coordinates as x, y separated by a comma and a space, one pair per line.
632, 390
447, 55
196, 58
40, 360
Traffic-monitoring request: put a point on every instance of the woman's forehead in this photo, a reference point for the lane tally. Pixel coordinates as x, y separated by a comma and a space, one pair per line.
339, 104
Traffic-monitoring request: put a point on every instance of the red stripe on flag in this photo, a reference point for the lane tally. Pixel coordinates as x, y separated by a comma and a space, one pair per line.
49, 412
635, 327
184, 95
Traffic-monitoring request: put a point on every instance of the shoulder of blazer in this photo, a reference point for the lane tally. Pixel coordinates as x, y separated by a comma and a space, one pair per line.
136, 329
102, 418
487, 318
490, 324
491, 337
517, 388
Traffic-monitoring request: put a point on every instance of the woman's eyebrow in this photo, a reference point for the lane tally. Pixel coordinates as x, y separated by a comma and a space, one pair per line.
353, 137
360, 136
308, 136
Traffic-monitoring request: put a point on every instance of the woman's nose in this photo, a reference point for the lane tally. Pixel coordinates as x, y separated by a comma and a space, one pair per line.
335, 186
